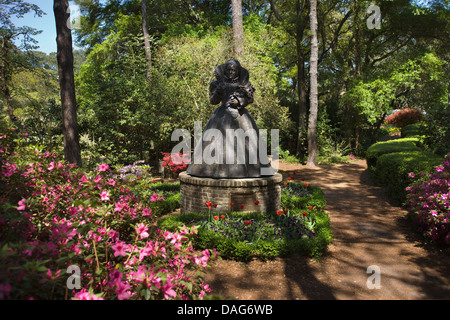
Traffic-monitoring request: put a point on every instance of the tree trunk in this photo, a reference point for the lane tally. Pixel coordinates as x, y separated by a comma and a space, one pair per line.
148, 52
301, 85
238, 29
5, 77
313, 108
72, 152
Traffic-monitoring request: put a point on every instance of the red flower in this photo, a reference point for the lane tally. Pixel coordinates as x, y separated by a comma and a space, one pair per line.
215, 205
279, 212
222, 216
208, 204
246, 222
256, 202
306, 185
242, 206
231, 204
216, 218
289, 178
304, 214
295, 172
310, 207
285, 183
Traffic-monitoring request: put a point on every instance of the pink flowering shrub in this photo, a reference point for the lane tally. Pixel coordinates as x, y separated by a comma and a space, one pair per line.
175, 163
428, 202
54, 216
404, 117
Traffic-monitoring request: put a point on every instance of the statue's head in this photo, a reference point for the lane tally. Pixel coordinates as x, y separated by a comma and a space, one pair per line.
232, 69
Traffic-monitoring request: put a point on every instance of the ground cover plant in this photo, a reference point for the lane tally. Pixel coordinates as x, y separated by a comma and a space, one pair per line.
428, 203
69, 234
300, 227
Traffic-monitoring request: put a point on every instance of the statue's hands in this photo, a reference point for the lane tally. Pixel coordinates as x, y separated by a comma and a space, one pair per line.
234, 101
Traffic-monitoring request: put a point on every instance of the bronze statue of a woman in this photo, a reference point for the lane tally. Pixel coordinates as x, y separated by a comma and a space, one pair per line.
230, 141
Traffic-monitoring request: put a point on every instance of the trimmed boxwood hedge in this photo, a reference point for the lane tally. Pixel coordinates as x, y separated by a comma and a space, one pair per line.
384, 147
412, 130
392, 171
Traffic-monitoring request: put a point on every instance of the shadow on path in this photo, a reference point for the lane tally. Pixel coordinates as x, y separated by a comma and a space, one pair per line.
368, 231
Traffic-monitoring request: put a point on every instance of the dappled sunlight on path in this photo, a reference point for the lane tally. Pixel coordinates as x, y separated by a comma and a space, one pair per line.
368, 232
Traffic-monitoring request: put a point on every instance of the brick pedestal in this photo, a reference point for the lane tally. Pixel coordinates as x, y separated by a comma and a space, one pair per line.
196, 191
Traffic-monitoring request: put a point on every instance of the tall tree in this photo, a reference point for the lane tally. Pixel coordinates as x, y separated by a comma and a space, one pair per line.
238, 29
294, 22
72, 152
148, 52
10, 56
313, 92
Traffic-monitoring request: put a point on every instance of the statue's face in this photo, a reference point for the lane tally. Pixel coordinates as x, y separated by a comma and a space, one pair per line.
231, 71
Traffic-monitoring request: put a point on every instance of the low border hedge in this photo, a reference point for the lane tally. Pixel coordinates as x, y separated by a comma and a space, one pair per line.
384, 147
392, 171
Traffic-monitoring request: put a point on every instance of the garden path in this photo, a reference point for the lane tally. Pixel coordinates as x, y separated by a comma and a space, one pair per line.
367, 230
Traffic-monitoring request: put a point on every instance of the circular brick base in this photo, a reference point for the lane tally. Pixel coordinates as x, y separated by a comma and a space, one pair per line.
255, 194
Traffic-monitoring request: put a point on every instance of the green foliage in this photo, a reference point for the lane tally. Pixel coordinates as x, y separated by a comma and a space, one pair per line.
126, 118
392, 169
383, 147
412, 130
299, 196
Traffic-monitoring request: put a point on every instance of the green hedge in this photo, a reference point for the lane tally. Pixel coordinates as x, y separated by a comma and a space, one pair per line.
412, 130
392, 169
384, 147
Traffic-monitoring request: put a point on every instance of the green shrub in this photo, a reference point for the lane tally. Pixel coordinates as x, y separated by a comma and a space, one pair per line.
384, 147
392, 171
412, 130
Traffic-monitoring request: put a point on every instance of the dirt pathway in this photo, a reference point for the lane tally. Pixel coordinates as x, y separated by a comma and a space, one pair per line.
368, 233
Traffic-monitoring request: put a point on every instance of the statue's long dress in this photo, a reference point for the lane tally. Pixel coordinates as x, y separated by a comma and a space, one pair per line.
215, 160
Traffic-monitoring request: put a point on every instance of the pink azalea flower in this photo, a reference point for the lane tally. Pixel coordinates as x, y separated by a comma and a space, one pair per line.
146, 212
167, 290
122, 290
103, 167
51, 166
104, 196
83, 294
21, 206
118, 206
120, 249
141, 230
